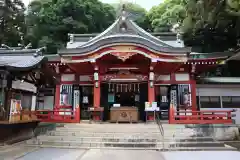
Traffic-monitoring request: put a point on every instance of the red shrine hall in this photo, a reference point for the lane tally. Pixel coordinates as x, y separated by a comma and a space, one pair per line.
126, 74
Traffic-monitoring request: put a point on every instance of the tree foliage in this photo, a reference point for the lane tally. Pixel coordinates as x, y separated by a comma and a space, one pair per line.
208, 25
50, 21
167, 14
12, 24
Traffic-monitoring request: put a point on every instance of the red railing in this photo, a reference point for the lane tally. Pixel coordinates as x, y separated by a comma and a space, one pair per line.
59, 116
200, 117
23, 116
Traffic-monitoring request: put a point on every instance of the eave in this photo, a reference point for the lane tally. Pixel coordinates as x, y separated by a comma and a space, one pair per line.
123, 39
224, 80
21, 63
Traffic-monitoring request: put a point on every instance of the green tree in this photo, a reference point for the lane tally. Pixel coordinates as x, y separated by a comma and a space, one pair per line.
12, 24
207, 25
49, 22
167, 14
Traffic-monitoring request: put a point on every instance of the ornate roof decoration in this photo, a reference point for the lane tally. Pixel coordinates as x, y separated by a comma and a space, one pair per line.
123, 30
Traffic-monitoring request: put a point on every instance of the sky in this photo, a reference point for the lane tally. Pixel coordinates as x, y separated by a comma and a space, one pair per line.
147, 4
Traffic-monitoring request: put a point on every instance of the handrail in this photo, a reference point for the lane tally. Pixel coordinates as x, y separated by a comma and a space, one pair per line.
158, 121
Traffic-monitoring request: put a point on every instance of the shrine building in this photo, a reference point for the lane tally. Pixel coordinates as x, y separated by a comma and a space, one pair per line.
126, 72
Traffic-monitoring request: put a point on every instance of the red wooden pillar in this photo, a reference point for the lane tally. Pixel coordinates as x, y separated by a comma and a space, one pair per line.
96, 94
57, 96
193, 95
151, 92
151, 96
77, 114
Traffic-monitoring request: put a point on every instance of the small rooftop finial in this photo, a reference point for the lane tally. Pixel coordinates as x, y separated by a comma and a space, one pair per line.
123, 7
123, 12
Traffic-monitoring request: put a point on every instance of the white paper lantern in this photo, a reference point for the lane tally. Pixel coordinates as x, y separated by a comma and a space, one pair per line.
151, 76
96, 76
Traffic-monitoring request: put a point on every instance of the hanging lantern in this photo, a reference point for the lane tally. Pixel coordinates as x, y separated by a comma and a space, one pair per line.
151, 84
96, 78
151, 76
96, 84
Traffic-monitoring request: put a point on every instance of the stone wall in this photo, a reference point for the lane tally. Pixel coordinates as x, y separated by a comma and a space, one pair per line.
217, 131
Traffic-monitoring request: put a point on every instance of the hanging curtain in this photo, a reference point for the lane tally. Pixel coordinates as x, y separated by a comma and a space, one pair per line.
68, 89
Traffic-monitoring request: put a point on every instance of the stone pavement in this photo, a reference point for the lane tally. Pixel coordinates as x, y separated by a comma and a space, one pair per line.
25, 153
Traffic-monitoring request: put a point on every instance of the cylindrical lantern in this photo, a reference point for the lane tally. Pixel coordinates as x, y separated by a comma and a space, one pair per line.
96, 84
96, 76
151, 84
151, 76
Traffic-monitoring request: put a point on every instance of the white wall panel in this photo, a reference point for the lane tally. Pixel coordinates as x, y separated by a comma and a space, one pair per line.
84, 78
182, 77
163, 78
218, 90
68, 77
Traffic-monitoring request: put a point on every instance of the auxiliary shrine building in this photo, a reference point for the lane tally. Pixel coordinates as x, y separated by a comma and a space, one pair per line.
127, 72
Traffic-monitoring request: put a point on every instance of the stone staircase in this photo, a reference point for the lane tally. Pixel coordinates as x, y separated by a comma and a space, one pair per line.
126, 136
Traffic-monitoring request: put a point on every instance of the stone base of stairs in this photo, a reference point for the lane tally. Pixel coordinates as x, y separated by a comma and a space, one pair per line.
127, 136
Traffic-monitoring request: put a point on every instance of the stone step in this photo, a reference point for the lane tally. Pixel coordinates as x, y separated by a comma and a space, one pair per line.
126, 137
124, 130
136, 125
98, 139
120, 135
165, 145
121, 128
102, 141
83, 133
140, 148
